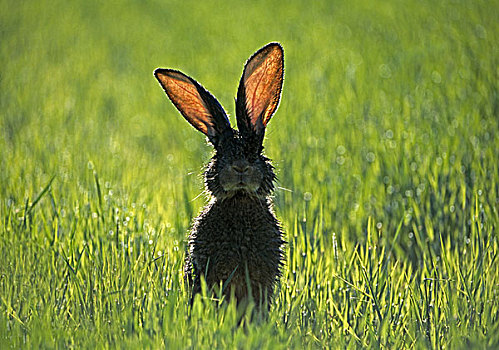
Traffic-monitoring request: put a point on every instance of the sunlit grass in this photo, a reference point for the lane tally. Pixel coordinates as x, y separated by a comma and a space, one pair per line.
385, 146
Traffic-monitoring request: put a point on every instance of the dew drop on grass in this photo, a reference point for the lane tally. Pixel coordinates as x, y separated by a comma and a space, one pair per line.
480, 31
421, 188
385, 71
370, 157
436, 77
350, 71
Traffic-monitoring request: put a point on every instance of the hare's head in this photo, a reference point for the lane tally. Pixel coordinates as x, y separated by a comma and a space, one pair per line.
238, 165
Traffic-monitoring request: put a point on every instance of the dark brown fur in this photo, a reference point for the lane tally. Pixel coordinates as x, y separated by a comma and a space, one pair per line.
236, 242
237, 238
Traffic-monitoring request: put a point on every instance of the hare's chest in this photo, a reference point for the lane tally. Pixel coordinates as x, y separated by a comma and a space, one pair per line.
237, 234
246, 226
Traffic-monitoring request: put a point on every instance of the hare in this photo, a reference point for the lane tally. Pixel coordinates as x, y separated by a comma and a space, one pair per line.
236, 242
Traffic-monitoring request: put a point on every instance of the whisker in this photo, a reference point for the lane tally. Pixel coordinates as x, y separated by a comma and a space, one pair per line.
199, 195
284, 189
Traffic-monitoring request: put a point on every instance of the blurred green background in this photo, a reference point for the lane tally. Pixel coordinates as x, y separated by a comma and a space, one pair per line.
387, 126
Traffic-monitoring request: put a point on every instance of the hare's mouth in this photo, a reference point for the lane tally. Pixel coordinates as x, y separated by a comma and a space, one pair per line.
241, 186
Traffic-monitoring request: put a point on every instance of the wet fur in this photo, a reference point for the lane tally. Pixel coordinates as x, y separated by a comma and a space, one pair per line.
237, 235
236, 242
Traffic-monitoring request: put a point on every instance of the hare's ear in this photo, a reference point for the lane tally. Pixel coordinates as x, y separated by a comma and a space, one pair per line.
195, 103
259, 90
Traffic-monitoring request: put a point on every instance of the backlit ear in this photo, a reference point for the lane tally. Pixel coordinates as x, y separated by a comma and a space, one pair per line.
260, 88
195, 103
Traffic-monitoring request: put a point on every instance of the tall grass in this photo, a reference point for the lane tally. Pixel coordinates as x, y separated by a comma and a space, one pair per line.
385, 144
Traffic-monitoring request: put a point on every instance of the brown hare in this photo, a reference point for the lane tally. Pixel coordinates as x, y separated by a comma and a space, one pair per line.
236, 242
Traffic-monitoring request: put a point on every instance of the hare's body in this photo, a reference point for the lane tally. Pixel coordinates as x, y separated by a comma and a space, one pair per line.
236, 242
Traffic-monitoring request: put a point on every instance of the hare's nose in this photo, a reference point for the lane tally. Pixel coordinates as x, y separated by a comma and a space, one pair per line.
240, 168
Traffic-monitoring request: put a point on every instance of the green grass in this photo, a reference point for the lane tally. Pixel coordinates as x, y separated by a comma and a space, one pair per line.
385, 144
